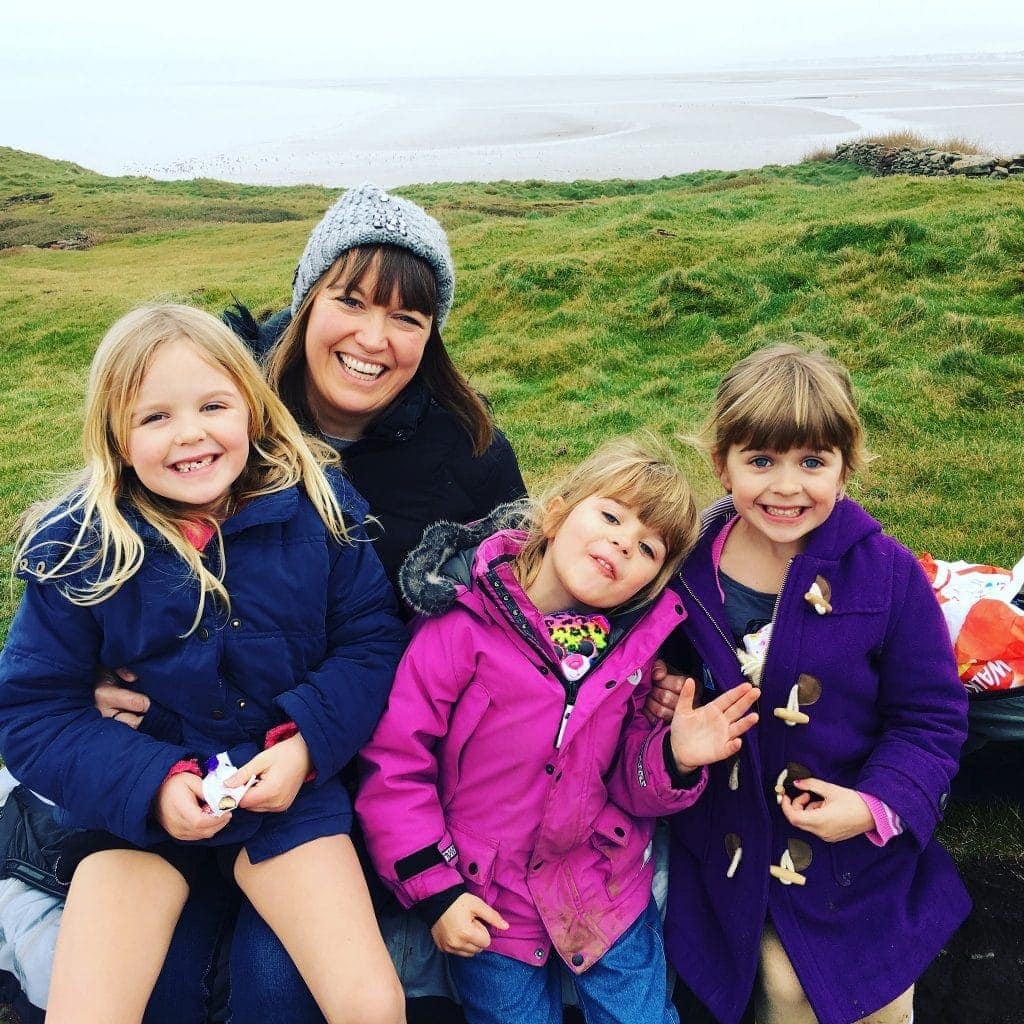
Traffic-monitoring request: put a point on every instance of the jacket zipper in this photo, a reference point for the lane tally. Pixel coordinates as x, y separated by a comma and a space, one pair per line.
572, 689
519, 623
775, 612
709, 617
714, 622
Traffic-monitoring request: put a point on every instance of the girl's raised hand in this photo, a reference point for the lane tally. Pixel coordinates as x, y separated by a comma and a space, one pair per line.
830, 812
711, 732
181, 812
462, 928
280, 772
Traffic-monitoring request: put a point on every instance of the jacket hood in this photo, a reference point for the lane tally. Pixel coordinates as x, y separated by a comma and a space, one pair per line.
440, 567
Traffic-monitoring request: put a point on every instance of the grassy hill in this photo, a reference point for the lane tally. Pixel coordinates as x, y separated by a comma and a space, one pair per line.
587, 309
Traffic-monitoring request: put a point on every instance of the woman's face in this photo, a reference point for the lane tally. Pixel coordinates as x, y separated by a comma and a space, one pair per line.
359, 355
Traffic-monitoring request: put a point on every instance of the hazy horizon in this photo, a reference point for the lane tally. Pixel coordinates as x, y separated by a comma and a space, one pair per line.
399, 131
316, 39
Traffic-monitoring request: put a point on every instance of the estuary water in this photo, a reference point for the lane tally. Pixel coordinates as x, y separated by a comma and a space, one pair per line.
399, 131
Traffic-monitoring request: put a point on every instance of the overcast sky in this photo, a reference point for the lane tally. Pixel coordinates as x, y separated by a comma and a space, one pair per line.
332, 38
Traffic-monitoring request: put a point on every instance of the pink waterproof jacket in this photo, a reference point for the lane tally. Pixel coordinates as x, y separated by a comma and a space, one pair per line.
464, 784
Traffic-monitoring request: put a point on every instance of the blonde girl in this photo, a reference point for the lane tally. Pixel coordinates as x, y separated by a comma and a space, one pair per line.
811, 880
205, 548
512, 784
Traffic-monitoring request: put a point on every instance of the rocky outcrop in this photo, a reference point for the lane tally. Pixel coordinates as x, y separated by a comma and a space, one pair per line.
904, 160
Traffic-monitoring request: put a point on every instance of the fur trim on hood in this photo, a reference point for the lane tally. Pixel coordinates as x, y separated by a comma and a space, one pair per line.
439, 566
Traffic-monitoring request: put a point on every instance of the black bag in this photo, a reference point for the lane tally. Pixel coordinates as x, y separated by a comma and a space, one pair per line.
32, 841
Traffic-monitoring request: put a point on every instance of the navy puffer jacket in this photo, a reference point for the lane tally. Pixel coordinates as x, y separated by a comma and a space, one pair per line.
312, 636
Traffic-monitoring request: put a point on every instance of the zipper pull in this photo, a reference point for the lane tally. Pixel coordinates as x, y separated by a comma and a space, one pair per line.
571, 689
564, 723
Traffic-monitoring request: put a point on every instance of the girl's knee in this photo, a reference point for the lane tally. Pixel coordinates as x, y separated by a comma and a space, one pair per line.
782, 993
381, 1005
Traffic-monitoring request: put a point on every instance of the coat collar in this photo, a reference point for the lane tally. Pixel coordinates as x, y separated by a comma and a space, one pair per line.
845, 527
442, 565
402, 418
278, 507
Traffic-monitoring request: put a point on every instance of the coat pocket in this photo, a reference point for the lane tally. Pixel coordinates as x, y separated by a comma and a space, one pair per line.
451, 751
856, 858
477, 858
625, 848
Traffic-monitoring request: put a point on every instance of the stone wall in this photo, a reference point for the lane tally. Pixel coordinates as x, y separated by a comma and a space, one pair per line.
904, 160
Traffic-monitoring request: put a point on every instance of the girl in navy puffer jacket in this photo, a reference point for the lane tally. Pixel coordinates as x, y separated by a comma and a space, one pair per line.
205, 547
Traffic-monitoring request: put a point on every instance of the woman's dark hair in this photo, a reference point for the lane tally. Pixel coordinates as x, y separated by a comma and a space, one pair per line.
396, 269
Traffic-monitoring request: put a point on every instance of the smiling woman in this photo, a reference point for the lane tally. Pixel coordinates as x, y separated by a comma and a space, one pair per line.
359, 359
364, 343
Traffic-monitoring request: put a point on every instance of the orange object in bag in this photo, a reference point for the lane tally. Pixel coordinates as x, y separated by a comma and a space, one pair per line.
986, 628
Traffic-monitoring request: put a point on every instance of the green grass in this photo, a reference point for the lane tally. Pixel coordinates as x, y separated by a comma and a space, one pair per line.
585, 309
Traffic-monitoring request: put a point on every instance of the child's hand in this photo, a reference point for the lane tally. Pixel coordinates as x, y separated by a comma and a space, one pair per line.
711, 732
462, 928
114, 699
280, 772
830, 812
664, 695
181, 812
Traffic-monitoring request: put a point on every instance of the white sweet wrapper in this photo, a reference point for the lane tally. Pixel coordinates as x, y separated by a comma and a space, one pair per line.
220, 798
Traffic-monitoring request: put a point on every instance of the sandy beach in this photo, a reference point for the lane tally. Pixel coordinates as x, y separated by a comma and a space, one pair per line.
559, 128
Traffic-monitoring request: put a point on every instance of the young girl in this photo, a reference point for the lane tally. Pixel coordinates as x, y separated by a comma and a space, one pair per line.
512, 784
204, 548
809, 874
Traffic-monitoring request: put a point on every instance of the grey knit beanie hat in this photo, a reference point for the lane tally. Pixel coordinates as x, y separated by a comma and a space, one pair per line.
367, 215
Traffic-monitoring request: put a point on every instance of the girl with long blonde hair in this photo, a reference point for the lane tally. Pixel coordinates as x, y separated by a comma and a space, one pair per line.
210, 548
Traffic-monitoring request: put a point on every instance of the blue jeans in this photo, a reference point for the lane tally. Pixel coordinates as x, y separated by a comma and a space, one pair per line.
195, 985
626, 986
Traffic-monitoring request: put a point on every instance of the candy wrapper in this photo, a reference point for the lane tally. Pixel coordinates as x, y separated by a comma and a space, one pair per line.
986, 627
220, 798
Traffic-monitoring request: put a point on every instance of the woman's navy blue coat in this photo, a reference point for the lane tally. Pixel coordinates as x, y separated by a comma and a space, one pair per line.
312, 636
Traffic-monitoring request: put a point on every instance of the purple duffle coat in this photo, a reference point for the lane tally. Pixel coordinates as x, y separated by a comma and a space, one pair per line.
888, 716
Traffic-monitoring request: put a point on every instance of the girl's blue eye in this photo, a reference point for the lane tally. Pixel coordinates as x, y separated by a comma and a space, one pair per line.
647, 550
761, 461
213, 406
813, 462
151, 418
609, 517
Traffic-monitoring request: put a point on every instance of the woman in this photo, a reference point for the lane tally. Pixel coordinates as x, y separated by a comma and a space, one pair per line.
360, 361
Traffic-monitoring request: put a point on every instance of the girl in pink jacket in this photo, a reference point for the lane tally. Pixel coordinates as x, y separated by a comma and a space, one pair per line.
511, 787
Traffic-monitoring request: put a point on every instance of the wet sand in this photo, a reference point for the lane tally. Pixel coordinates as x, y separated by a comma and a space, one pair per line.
559, 128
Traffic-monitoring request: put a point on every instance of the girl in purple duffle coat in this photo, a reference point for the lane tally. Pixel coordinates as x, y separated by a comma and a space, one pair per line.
809, 874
